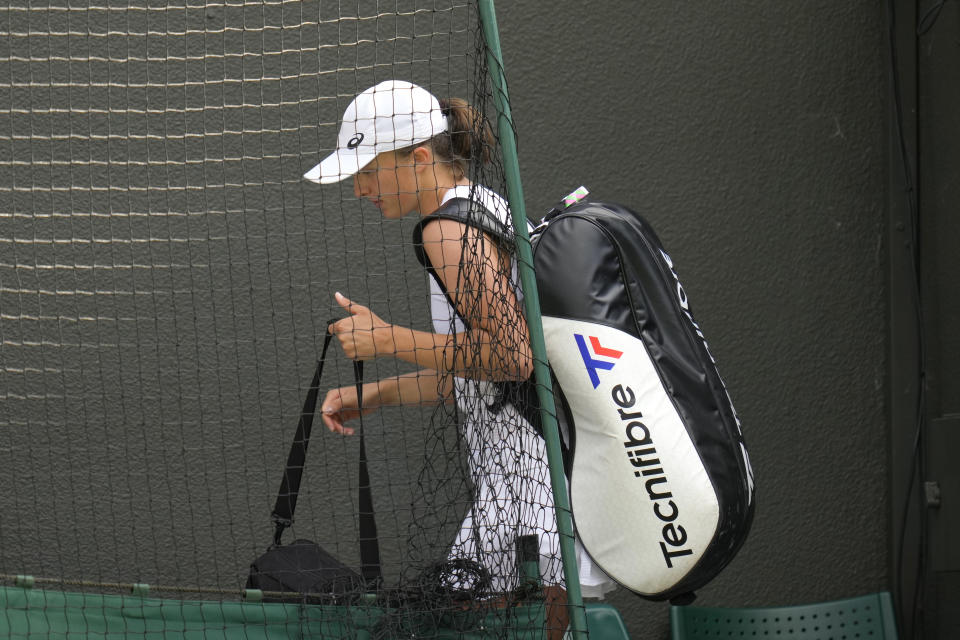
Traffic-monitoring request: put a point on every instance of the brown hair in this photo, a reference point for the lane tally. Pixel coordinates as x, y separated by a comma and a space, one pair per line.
468, 137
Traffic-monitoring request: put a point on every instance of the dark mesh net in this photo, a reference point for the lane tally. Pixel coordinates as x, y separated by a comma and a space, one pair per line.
166, 280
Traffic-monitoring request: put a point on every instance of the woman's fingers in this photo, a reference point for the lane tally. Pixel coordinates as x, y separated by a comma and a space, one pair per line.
348, 305
346, 324
333, 414
334, 424
356, 331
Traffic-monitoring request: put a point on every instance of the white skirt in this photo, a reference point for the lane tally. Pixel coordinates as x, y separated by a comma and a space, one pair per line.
513, 496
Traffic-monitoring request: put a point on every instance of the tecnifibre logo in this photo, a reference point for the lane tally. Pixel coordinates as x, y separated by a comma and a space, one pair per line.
594, 364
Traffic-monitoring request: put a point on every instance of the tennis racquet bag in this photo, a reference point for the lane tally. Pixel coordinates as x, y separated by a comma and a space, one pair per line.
661, 486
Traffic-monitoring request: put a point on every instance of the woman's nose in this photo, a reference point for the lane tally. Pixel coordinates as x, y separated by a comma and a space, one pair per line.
357, 188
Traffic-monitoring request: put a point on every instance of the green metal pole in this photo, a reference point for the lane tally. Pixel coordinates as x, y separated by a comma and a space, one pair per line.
531, 300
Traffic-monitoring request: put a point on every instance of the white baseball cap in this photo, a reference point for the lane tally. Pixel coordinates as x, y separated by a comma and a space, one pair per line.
391, 115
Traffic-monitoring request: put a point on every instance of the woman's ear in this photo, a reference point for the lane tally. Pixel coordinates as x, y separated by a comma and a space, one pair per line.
422, 158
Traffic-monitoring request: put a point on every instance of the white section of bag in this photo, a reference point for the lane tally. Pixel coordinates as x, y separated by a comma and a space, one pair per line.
643, 505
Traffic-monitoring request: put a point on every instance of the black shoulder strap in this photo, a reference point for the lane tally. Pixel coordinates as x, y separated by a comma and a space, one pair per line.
369, 546
468, 212
471, 214
286, 503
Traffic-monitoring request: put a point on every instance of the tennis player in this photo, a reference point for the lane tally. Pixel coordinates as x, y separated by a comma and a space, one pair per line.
410, 153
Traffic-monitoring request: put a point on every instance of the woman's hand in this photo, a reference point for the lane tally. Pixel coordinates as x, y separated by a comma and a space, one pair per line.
363, 335
341, 405
423, 388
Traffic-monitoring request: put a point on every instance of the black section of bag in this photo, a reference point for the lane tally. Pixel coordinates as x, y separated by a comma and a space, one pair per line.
303, 568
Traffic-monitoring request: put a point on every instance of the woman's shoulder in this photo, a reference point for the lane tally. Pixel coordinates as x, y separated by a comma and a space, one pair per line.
489, 199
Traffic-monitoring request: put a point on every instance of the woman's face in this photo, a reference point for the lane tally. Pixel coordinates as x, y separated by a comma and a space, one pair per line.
390, 183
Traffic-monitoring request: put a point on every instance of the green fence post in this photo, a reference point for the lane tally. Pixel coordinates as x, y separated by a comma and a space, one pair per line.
531, 300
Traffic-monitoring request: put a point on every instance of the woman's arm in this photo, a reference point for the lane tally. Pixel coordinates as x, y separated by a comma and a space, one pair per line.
476, 276
418, 388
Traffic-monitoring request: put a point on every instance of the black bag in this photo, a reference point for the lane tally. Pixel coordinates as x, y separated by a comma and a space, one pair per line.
304, 567
661, 485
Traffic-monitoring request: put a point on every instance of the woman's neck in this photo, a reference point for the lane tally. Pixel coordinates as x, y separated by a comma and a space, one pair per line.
440, 194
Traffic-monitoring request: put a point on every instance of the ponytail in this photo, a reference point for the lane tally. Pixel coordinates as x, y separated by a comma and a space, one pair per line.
467, 140
471, 138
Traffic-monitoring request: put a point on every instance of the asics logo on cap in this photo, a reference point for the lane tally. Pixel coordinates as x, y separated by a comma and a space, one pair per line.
594, 364
355, 141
